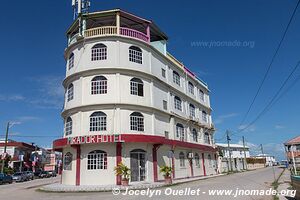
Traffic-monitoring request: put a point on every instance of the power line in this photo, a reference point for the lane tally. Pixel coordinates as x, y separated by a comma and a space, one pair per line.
271, 102
271, 63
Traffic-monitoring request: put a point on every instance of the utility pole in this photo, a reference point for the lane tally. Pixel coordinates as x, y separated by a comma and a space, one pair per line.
5, 144
245, 157
228, 143
262, 152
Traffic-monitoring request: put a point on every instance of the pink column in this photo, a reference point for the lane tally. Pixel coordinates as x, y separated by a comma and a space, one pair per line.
78, 152
203, 164
118, 160
148, 32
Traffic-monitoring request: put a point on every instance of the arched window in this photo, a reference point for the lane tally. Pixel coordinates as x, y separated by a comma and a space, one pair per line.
191, 88
135, 54
204, 116
176, 78
68, 126
97, 160
136, 87
71, 61
192, 110
99, 85
182, 159
177, 103
70, 92
180, 132
99, 52
67, 164
98, 121
206, 138
195, 135
197, 160
136, 121
201, 93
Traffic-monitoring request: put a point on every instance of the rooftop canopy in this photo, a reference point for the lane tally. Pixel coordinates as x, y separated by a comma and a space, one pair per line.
127, 20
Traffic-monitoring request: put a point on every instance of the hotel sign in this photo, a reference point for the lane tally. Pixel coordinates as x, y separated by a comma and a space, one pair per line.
91, 139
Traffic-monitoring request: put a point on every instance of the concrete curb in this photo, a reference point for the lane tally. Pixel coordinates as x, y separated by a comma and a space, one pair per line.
107, 188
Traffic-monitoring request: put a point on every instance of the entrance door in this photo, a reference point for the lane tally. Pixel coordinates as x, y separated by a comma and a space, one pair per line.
138, 165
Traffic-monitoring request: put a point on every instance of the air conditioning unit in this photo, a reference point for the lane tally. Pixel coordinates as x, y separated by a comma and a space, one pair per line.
190, 155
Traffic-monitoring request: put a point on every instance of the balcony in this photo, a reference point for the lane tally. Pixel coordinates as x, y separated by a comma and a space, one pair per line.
111, 31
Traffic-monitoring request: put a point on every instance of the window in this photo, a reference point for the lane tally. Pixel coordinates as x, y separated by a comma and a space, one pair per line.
135, 55
136, 122
71, 61
99, 85
67, 165
182, 159
209, 160
165, 105
197, 160
136, 87
97, 160
206, 138
201, 93
180, 132
176, 78
70, 92
163, 72
98, 121
195, 135
192, 110
204, 116
99, 52
177, 103
68, 126
191, 88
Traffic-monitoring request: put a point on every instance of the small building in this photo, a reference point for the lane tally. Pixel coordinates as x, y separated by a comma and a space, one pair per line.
237, 152
292, 149
270, 160
19, 153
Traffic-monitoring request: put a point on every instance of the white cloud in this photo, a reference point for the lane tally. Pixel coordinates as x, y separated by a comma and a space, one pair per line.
273, 149
50, 92
220, 119
246, 129
11, 97
279, 126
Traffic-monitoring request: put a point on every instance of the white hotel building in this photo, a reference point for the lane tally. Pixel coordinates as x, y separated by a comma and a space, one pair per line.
128, 100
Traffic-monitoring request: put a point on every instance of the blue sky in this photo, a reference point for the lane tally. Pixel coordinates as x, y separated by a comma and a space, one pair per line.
32, 64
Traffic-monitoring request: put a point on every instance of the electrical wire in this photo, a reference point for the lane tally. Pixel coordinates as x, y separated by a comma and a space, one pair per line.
270, 65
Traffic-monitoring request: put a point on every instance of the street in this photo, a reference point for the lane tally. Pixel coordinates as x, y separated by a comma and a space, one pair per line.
257, 180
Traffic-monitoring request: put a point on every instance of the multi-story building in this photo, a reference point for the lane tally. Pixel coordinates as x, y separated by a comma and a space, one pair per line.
19, 154
238, 154
292, 149
128, 100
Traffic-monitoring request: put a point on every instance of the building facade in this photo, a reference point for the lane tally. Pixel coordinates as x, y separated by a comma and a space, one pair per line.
238, 154
18, 153
128, 100
292, 149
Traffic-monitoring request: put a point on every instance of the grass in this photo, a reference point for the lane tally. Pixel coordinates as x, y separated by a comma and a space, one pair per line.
276, 183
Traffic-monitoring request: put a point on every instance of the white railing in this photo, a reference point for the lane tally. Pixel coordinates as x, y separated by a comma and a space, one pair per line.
104, 30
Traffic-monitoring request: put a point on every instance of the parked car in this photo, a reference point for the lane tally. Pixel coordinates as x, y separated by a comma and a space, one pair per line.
19, 177
5, 179
29, 175
45, 174
37, 174
52, 173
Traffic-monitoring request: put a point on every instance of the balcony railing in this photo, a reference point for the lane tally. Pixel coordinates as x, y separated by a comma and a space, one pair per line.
112, 30
134, 34
105, 30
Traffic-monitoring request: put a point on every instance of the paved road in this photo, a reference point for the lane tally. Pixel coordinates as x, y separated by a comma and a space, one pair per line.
258, 180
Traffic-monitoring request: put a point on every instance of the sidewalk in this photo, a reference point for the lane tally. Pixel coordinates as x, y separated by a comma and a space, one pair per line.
284, 183
104, 188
